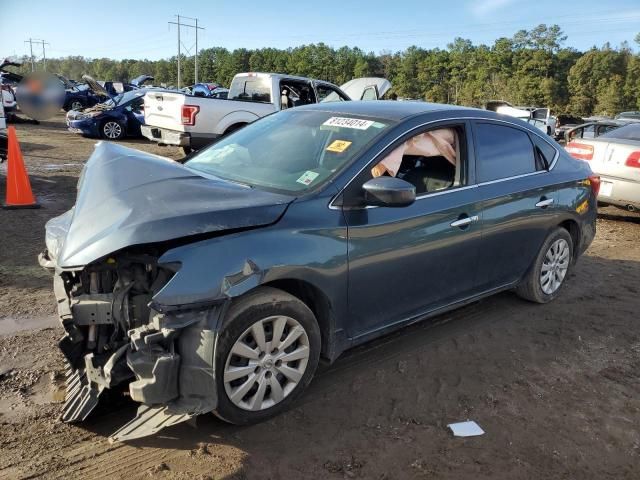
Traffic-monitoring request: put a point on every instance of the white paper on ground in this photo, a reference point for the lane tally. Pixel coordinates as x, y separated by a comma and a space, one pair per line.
466, 429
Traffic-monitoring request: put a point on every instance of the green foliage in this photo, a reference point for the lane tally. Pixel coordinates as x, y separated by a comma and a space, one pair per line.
531, 68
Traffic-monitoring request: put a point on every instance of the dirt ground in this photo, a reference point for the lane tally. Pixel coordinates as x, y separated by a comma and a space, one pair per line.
555, 387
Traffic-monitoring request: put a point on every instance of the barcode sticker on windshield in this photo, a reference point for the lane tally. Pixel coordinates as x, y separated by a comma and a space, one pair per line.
307, 177
344, 122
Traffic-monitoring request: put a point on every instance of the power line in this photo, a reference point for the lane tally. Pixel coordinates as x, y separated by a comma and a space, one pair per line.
196, 27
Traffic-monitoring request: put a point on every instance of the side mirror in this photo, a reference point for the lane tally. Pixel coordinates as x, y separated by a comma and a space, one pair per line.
389, 192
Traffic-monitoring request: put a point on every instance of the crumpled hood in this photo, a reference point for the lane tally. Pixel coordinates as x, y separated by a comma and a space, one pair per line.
127, 197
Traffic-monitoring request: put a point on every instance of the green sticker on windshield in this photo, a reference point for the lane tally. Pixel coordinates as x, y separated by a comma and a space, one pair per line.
307, 177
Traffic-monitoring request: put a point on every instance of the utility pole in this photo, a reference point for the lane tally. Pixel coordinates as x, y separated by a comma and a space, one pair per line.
196, 62
31, 41
196, 27
44, 57
33, 68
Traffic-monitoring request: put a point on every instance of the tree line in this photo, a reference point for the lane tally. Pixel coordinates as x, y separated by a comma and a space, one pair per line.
531, 68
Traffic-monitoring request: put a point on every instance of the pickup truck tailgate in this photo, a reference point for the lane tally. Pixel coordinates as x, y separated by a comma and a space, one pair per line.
164, 109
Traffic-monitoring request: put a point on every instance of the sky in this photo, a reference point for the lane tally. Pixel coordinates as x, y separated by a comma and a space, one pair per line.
140, 29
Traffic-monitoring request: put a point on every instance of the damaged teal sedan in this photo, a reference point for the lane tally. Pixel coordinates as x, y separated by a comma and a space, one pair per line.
217, 285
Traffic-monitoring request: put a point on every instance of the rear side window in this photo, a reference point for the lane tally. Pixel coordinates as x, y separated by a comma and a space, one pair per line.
251, 89
628, 132
502, 152
545, 153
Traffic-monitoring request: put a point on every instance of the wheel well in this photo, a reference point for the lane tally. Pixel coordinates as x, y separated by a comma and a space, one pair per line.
317, 301
572, 227
234, 127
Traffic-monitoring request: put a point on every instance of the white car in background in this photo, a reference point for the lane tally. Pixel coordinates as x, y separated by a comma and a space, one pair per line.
540, 118
615, 156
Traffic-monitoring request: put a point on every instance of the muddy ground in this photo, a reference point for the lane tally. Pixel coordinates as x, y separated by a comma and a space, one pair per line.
556, 387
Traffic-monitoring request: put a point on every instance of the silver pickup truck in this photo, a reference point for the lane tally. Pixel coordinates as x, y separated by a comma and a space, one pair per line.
192, 122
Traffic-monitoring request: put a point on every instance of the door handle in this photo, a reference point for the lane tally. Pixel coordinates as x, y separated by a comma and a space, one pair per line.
463, 222
544, 203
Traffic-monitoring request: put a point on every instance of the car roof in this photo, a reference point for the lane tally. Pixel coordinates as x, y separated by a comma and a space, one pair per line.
397, 110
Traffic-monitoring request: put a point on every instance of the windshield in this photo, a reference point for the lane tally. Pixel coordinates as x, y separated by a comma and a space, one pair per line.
628, 132
290, 151
251, 89
125, 97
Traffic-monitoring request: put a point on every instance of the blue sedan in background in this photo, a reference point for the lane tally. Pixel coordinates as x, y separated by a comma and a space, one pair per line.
115, 119
78, 95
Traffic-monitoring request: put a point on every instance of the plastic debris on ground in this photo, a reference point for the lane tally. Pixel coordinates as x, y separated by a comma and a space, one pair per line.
466, 429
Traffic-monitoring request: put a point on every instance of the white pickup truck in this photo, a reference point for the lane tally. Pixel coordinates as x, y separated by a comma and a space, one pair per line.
192, 122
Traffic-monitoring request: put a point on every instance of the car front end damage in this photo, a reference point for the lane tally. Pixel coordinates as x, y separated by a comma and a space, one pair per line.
122, 327
87, 121
115, 335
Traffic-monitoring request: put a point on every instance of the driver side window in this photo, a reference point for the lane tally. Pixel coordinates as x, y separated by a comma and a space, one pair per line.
432, 160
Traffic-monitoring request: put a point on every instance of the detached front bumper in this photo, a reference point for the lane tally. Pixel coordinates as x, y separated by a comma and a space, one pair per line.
164, 136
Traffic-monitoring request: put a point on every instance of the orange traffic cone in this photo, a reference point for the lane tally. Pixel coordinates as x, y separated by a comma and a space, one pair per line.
19, 194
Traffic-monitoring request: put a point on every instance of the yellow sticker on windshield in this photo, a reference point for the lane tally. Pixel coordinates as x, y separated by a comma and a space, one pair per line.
339, 146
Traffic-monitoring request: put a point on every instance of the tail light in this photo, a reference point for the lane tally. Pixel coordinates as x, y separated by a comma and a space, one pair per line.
580, 151
594, 181
189, 113
633, 160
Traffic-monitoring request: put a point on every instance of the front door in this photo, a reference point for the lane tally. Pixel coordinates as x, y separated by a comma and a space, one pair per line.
406, 261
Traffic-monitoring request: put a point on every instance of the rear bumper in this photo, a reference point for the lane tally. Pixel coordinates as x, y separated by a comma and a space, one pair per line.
619, 192
164, 136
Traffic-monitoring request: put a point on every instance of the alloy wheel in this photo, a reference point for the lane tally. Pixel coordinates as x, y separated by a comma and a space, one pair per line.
554, 266
112, 130
266, 363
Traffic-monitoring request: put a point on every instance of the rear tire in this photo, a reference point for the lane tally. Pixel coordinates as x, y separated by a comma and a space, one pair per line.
547, 275
264, 311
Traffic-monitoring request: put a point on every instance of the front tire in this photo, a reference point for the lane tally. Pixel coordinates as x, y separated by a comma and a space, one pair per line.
549, 271
112, 130
268, 352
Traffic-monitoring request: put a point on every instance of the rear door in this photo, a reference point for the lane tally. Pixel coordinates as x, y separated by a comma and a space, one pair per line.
518, 197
